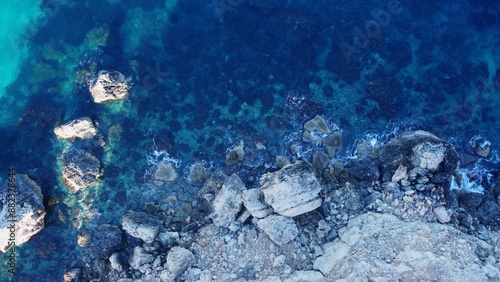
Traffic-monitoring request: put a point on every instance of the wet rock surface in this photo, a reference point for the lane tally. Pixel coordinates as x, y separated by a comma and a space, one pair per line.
109, 86
29, 212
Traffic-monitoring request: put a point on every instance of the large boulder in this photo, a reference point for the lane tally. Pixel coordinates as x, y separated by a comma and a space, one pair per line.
381, 247
178, 260
104, 240
228, 201
109, 86
29, 211
82, 128
292, 190
141, 225
80, 170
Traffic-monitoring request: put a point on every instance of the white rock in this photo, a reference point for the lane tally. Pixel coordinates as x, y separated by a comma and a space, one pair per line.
428, 156
82, 128
280, 229
141, 225
441, 214
400, 174
305, 276
333, 253
292, 190
109, 86
253, 199
178, 260
228, 201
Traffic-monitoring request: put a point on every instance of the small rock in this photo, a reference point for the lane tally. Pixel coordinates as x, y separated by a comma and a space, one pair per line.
73, 275
305, 275
281, 162
333, 140
320, 160
400, 174
165, 172
482, 150
109, 86
178, 260
317, 123
280, 229
168, 239
235, 154
115, 262
141, 225
441, 214
139, 258
82, 128
427, 155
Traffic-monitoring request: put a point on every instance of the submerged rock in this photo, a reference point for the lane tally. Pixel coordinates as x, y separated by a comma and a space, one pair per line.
165, 172
280, 229
82, 128
235, 155
109, 86
228, 201
292, 190
29, 213
141, 225
80, 170
403, 251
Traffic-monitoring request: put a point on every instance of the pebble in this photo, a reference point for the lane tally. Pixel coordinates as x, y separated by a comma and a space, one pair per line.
442, 215
408, 199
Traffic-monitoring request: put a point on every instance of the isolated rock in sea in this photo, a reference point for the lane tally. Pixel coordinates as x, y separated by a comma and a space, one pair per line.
235, 154
253, 200
404, 251
29, 213
178, 260
317, 123
292, 190
228, 201
281, 229
165, 172
141, 225
109, 86
80, 170
82, 128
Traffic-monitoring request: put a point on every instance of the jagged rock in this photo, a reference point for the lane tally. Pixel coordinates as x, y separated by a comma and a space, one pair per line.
198, 173
427, 155
73, 275
139, 258
253, 199
178, 260
115, 262
29, 213
168, 239
141, 225
489, 213
235, 154
228, 201
320, 160
364, 168
400, 174
482, 150
441, 214
420, 150
165, 172
82, 128
403, 251
80, 170
333, 140
109, 86
281, 229
317, 123
281, 161
292, 190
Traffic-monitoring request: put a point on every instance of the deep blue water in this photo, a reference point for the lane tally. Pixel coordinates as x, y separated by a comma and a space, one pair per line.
207, 75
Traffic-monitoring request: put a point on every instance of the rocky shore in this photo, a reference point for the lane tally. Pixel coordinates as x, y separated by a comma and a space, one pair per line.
393, 212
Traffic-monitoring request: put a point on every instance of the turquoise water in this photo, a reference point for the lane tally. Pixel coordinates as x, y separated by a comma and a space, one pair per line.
206, 78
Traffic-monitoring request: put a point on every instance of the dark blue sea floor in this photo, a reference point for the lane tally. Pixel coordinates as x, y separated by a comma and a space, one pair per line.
209, 75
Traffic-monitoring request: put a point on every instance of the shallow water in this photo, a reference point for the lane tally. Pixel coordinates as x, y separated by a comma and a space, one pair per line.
207, 77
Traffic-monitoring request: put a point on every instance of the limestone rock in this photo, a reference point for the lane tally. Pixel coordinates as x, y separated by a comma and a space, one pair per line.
292, 190
139, 258
109, 86
317, 123
400, 174
228, 201
320, 160
441, 214
30, 211
168, 239
427, 155
80, 170
178, 260
305, 276
235, 154
104, 241
141, 225
333, 140
165, 172
380, 247
253, 199
280, 229
82, 128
